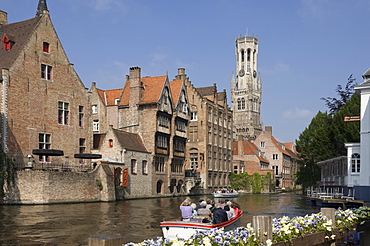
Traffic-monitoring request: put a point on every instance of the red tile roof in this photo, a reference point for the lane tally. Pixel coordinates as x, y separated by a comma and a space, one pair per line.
176, 86
20, 32
111, 96
248, 148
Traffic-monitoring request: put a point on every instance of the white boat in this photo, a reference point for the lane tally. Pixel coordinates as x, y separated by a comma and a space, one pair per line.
185, 229
225, 195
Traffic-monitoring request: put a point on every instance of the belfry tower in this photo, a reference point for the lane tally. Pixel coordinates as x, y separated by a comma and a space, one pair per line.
246, 89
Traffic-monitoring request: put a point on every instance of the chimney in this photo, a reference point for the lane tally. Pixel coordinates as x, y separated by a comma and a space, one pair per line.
268, 129
3, 18
180, 74
135, 86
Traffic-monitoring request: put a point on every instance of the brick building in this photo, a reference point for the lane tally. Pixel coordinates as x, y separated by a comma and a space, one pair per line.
209, 139
282, 157
248, 158
157, 110
45, 105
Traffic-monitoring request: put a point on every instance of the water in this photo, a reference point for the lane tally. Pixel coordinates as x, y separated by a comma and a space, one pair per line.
135, 220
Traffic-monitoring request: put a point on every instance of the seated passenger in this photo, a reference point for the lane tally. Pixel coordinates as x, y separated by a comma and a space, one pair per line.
219, 215
229, 211
186, 210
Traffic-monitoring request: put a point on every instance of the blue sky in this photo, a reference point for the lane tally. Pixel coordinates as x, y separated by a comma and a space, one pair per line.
306, 47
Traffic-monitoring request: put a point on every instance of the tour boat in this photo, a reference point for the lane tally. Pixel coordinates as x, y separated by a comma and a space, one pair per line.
225, 195
185, 229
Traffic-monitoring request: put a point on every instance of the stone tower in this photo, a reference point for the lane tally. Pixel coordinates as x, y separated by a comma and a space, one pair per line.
246, 89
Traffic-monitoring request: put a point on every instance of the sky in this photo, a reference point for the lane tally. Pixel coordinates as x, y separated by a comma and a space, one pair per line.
306, 47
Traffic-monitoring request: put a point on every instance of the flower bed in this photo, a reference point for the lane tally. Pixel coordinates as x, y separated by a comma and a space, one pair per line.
284, 229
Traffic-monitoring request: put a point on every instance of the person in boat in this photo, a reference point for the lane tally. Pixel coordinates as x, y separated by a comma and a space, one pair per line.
229, 211
186, 210
199, 205
234, 206
194, 206
219, 215
204, 212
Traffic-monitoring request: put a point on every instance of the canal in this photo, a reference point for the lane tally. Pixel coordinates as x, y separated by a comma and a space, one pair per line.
134, 220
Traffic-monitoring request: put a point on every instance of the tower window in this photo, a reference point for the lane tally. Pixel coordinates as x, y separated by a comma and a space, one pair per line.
242, 53
248, 55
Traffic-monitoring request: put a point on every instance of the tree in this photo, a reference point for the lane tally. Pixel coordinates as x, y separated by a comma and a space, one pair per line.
345, 94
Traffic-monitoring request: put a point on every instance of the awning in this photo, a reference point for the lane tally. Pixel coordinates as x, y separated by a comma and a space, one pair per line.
87, 156
48, 152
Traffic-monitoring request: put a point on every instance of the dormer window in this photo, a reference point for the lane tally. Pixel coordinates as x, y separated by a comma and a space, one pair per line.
8, 43
45, 47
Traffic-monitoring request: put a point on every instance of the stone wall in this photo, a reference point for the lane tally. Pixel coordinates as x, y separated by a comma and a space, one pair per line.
42, 187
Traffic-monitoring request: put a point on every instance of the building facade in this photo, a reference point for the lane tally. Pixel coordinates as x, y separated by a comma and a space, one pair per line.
157, 110
45, 106
246, 89
209, 140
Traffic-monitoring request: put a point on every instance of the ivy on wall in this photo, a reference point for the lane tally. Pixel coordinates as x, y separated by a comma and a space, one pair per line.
6, 172
255, 183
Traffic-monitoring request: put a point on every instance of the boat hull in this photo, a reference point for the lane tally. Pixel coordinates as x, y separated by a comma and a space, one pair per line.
185, 229
225, 195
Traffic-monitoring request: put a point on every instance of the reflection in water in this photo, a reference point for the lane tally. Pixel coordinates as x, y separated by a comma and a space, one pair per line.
135, 220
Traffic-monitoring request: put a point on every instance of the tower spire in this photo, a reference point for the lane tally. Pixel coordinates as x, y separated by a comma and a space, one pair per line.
41, 7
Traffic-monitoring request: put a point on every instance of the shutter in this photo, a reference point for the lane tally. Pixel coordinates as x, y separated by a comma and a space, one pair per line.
125, 177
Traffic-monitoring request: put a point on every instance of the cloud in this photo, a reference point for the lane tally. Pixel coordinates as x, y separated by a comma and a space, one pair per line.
297, 113
102, 5
279, 67
316, 9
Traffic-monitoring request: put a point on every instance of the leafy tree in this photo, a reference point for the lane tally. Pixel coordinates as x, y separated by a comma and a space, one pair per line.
344, 94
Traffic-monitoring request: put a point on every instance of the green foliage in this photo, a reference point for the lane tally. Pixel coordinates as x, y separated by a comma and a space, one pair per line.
325, 136
254, 183
99, 184
6, 172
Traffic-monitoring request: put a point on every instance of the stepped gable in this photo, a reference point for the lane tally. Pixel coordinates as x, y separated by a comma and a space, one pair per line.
19, 33
130, 141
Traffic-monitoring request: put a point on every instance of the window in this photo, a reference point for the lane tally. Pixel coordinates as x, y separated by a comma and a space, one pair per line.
242, 53
8, 44
183, 107
144, 167
179, 145
82, 143
355, 163
110, 143
94, 109
44, 143
176, 165
248, 54
194, 115
276, 170
163, 121
162, 142
96, 125
194, 160
63, 113
275, 156
209, 116
239, 104
116, 101
236, 169
80, 116
46, 72
181, 126
45, 47
243, 103
262, 144
159, 164
133, 166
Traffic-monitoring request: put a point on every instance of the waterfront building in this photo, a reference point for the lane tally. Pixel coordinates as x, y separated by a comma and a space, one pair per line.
157, 110
248, 158
209, 140
129, 161
45, 106
282, 157
246, 89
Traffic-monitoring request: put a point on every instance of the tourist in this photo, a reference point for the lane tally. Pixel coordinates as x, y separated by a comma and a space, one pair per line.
193, 206
229, 211
199, 206
186, 210
219, 215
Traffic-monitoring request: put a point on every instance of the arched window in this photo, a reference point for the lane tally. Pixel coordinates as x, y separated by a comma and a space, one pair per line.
242, 53
239, 104
110, 143
249, 55
159, 186
243, 103
355, 163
